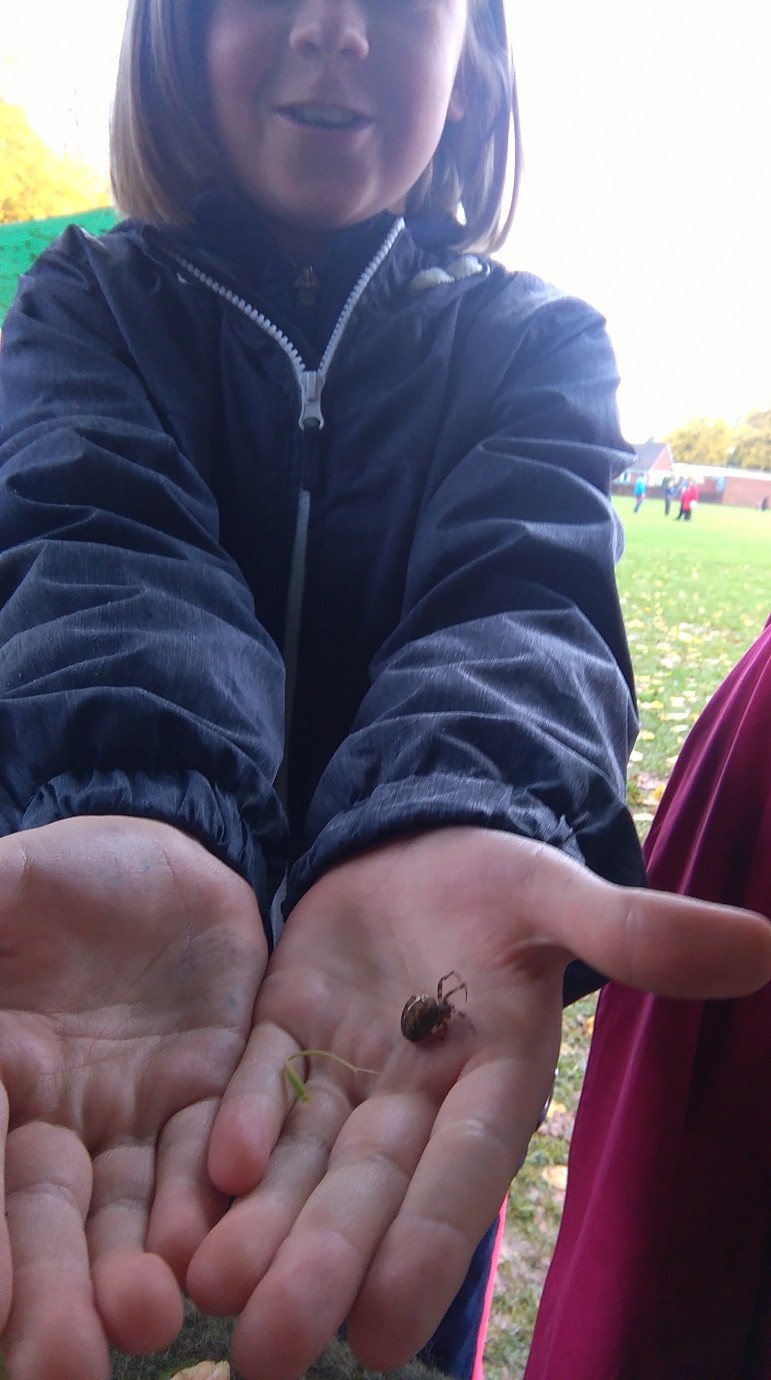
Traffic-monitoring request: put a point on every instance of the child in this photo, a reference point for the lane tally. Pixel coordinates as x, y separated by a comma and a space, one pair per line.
307, 590
689, 497
662, 1263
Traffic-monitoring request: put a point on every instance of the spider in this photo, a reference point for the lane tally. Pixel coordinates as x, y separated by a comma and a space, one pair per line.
424, 1015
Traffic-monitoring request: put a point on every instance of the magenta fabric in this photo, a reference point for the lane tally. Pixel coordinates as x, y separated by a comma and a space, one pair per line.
662, 1269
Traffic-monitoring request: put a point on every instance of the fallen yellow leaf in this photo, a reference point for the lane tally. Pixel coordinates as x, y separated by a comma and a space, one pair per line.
556, 1175
555, 1108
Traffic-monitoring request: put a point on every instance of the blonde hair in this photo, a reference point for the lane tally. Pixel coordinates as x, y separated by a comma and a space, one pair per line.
164, 150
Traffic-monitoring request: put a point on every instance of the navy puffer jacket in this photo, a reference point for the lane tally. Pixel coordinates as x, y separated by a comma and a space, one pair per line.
367, 536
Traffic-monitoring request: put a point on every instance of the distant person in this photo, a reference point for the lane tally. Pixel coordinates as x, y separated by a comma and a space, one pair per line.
764, 504
689, 497
668, 493
639, 494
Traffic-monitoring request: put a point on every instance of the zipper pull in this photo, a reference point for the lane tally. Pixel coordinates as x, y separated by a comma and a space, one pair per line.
311, 416
306, 286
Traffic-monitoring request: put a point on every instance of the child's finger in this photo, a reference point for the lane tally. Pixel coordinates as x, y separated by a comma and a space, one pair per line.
480, 1138
682, 948
254, 1107
53, 1329
666, 944
236, 1254
138, 1298
318, 1271
186, 1205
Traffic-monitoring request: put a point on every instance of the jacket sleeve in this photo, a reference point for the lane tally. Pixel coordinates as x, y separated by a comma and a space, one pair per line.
504, 697
134, 676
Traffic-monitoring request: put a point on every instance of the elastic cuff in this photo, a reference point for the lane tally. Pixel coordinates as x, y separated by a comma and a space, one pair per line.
407, 806
189, 803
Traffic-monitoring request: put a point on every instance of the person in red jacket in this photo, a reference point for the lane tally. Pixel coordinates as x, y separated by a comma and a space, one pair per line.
662, 1269
689, 497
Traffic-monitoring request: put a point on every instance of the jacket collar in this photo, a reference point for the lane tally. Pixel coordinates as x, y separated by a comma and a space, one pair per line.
230, 229
239, 248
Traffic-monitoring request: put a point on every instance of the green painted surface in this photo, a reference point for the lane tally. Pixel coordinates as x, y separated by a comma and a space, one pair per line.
20, 245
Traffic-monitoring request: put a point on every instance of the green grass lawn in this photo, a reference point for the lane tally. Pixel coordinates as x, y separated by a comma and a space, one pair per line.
695, 595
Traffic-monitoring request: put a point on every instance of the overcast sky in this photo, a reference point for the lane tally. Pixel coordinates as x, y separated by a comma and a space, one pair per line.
647, 189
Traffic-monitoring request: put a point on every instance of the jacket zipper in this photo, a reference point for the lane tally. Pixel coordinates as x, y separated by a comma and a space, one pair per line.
310, 384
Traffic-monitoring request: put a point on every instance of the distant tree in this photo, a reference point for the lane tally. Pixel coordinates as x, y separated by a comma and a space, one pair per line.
752, 442
702, 441
34, 181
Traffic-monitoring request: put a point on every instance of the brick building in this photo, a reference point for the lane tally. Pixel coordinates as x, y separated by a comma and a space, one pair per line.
717, 484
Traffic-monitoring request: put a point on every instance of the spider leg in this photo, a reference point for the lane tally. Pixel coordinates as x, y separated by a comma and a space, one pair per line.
461, 987
440, 993
456, 1011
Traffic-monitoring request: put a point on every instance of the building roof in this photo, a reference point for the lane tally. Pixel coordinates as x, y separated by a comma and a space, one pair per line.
702, 472
648, 453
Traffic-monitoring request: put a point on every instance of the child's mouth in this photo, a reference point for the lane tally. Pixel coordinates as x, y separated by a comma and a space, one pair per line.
324, 116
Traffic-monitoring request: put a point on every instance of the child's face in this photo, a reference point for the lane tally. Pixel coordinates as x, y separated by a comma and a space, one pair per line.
328, 111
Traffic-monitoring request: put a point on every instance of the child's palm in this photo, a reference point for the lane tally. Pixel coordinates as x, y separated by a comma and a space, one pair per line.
129, 962
370, 1196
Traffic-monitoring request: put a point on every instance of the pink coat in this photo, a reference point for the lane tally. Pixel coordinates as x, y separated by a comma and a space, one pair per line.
662, 1269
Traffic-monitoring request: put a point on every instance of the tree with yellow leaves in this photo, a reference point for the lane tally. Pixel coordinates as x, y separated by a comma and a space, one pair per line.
701, 441
34, 181
752, 448
712, 441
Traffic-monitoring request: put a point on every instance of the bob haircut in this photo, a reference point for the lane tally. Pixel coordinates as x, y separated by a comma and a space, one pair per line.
164, 150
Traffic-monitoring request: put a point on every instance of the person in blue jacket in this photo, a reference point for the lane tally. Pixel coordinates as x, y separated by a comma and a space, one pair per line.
310, 648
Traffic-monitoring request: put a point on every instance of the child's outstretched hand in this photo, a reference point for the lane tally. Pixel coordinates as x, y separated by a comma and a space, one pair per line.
129, 963
371, 1195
